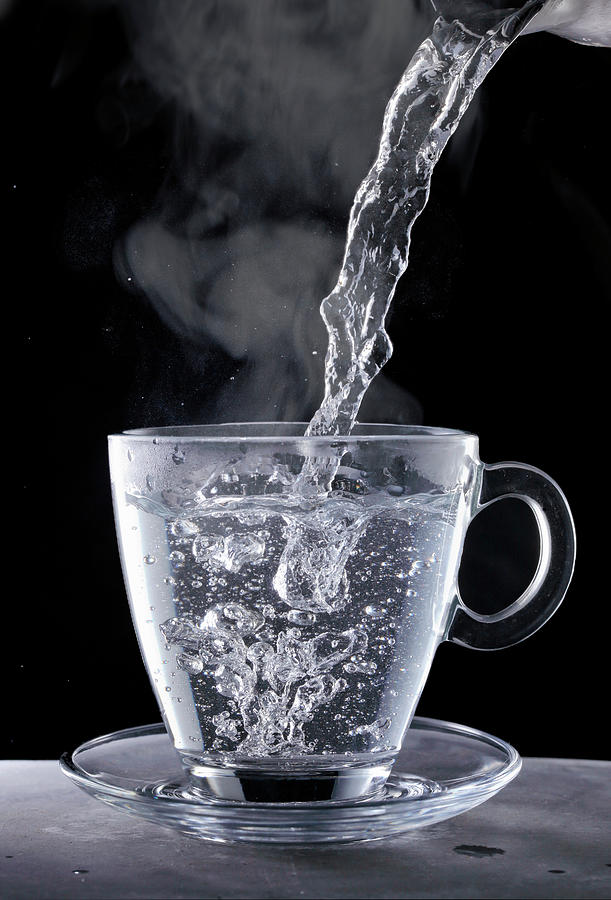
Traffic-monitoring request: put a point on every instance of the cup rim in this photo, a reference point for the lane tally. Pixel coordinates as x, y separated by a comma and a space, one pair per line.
289, 431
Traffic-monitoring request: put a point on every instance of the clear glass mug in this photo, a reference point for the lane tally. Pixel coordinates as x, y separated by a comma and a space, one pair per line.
288, 636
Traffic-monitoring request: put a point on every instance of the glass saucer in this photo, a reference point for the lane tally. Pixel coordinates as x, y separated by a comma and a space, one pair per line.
454, 769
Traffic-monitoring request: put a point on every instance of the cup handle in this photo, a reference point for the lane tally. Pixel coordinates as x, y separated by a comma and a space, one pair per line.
546, 591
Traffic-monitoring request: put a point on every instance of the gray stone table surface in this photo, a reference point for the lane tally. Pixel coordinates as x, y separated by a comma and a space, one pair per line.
551, 824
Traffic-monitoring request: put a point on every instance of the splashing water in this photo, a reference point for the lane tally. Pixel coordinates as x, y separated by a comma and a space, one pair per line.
297, 674
288, 654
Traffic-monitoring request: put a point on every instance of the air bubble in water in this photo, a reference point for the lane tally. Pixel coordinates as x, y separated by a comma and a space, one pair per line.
205, 546
244, 621
235, 680
190, 663
266, 634
232, 618
241, 549
328, 649
183, 528
230, 552
375, 612
375, 729
358, 664
225, 726
314, 693
150, 560
258, 650
301, 617
311, 574
177, 558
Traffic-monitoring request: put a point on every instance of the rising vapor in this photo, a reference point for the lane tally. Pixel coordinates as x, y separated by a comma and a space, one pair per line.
276, 109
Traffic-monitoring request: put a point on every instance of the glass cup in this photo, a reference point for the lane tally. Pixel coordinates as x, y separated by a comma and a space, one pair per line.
289, 592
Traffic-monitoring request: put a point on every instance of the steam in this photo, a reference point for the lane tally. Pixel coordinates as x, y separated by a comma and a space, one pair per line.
276, 109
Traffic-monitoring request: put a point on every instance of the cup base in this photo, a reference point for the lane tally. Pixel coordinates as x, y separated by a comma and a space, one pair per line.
264, 786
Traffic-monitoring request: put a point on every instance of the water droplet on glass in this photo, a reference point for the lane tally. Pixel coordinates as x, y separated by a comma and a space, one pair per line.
178, 456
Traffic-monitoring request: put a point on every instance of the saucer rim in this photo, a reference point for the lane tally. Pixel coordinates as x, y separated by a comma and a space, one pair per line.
451, 789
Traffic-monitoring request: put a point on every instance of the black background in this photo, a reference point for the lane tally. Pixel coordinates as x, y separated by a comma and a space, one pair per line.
504, 335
